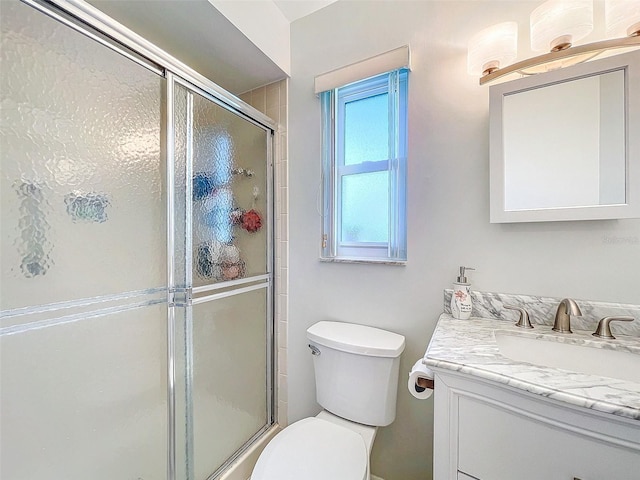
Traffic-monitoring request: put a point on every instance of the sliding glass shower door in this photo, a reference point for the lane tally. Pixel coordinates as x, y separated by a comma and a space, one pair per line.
136, 324
83, 377
223, 260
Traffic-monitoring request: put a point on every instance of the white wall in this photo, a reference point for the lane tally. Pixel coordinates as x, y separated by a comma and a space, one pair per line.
264, 24
448, 212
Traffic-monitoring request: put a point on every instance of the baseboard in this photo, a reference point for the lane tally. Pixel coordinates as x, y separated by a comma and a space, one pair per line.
241, 469
373, 477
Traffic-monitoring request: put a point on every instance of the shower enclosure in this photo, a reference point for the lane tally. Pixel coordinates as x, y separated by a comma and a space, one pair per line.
136, 327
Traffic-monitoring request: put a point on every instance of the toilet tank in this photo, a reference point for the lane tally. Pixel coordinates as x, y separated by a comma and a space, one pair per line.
356, 369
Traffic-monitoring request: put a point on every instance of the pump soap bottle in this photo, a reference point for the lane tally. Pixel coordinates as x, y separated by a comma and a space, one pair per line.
461, 298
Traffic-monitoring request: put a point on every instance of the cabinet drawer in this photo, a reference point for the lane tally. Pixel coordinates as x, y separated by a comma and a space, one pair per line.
495, 444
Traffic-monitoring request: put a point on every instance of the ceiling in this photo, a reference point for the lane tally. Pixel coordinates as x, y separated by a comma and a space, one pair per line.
196, 33
295, 9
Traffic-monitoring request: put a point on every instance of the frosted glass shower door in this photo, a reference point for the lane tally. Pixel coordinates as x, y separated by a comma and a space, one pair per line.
223, 257
229, 377
81, 184
86, 399
230, 230
136, 285
83, 320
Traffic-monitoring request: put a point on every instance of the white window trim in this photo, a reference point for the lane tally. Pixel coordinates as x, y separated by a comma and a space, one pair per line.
385, 62
393, 252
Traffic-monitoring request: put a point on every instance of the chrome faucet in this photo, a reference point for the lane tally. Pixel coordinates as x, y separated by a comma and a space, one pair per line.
566, 308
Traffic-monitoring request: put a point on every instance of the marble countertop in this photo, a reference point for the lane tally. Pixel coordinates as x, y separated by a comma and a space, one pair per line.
469, 346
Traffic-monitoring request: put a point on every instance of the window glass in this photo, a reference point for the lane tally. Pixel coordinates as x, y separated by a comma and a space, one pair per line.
365, 207
366, 129
364, 167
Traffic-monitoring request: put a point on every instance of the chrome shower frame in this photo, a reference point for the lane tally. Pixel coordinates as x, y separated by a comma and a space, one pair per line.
91, 22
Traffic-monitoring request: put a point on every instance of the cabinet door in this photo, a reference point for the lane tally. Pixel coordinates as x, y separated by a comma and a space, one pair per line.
495, 443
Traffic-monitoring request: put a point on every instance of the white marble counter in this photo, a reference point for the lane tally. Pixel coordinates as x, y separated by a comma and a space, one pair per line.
469, 346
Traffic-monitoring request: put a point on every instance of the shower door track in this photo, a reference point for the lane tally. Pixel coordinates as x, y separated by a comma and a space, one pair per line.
88, 20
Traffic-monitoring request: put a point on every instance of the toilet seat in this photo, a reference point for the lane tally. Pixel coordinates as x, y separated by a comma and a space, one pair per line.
313, 449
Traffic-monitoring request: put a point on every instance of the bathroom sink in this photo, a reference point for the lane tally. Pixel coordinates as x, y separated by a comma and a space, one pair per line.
549, 352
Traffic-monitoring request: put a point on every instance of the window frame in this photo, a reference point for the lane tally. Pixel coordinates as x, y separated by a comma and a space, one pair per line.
333, 102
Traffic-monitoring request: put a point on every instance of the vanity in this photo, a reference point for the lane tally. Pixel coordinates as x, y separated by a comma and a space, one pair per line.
500, 418
514, 403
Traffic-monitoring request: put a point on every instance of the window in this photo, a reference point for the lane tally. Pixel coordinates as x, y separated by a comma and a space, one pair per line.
364, 168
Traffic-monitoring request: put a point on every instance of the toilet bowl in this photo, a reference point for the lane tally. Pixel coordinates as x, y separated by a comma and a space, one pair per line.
356, 371
317, 448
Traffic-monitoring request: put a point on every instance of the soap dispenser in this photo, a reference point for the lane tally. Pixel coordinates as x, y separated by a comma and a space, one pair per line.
461, 298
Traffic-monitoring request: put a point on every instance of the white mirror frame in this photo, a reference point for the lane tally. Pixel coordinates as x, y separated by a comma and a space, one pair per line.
631, 209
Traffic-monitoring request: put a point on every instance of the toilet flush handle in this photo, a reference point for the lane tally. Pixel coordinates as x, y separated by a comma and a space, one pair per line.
314, 350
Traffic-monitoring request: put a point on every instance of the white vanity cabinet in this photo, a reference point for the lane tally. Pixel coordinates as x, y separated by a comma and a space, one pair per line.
487, 431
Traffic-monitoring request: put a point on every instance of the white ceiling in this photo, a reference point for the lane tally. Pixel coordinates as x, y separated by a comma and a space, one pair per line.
295, 9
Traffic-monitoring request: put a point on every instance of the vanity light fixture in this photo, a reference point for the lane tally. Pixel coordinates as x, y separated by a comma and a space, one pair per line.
555, 26
492, 48
622, 18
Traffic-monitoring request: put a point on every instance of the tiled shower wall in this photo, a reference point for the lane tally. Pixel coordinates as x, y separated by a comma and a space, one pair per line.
272, 101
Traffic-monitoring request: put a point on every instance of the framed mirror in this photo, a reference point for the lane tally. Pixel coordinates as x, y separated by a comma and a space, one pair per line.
565, 145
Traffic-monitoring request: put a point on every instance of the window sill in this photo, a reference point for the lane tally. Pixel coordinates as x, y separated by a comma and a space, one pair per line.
376, 261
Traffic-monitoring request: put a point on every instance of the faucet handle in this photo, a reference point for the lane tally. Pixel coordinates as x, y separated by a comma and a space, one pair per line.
523, 321
604, 331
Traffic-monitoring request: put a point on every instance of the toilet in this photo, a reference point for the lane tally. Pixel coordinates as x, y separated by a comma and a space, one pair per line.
356, 370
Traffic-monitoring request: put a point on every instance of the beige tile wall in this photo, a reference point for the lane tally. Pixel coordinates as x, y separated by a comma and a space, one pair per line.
272, 101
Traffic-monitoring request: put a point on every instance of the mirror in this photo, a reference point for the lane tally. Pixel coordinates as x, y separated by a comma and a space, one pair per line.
565, 145
577, 155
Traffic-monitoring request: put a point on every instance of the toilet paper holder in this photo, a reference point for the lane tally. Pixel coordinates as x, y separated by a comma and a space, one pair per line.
423, 383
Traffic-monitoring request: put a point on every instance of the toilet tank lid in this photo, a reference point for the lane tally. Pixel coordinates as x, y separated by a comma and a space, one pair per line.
358, 339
